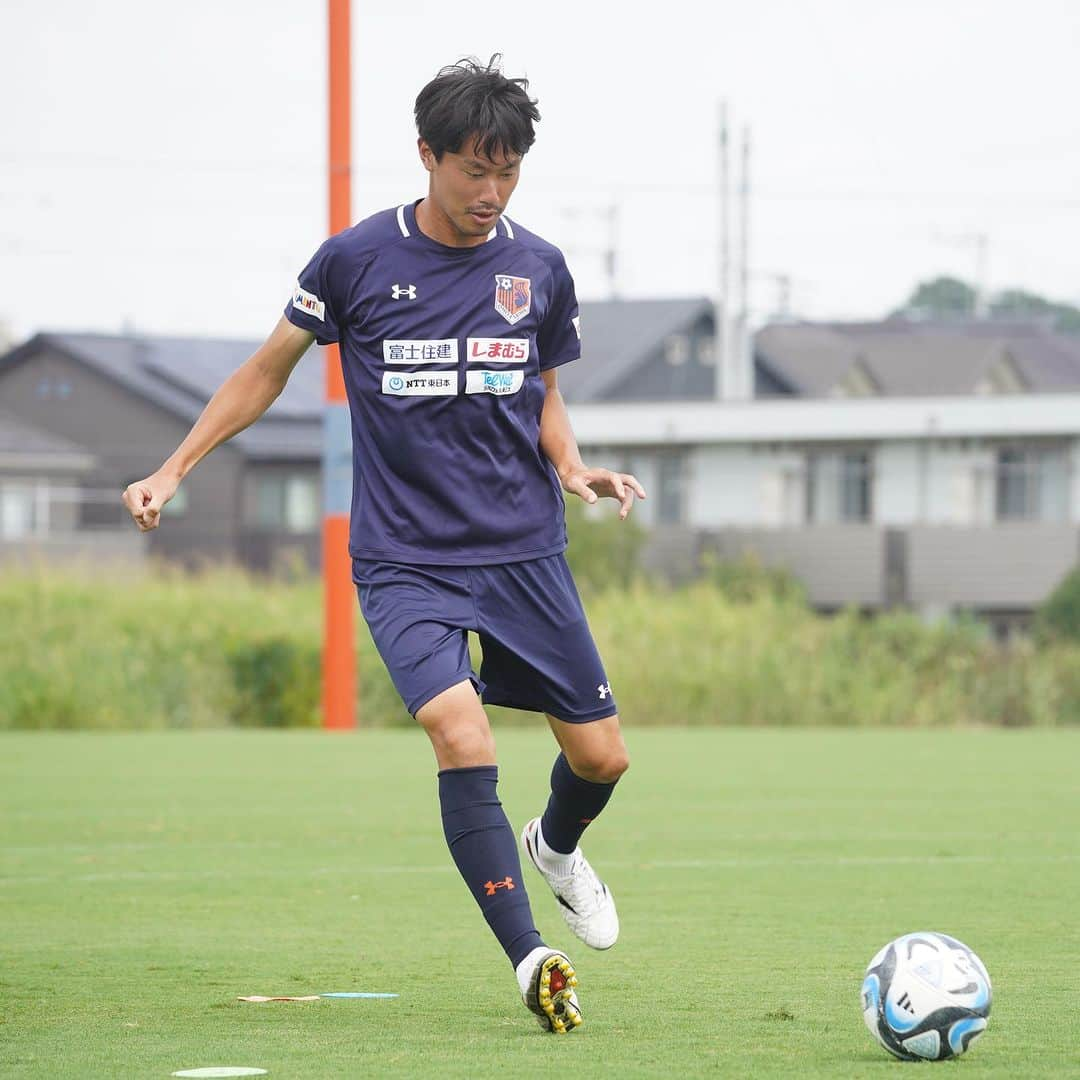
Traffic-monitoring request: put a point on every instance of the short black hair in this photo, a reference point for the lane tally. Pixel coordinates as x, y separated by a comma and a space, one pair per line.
471, 98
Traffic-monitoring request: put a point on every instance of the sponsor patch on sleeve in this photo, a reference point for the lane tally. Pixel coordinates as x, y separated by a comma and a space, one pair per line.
576, 320
309, 303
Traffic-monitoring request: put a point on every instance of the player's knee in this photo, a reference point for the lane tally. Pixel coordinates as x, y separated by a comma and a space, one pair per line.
459, 746
616, 764
602, 766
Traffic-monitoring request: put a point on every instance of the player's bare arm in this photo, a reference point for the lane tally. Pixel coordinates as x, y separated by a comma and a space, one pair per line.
239, 402
561, 449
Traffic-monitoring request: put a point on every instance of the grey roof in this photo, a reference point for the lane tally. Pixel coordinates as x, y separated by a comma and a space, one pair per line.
181, 374
1049, 362
618, 335
909, 359
898, 357
20, 441
901, 358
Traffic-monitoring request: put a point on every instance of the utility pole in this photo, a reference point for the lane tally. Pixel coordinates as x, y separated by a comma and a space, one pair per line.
982, 299
607, 249
612, 253
339, 656
979, 243
722, 349
734, 364
783, 296
744, 364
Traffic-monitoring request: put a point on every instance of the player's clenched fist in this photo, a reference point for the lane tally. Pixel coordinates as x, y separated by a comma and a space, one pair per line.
145, 498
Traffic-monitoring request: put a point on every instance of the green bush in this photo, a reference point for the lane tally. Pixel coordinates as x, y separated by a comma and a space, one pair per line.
604, 552
277, 682
748, 578
218, 648
1059, 615
168, 649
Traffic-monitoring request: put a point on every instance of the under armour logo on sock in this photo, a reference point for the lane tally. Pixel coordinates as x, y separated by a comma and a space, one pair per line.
491, 886
604, 689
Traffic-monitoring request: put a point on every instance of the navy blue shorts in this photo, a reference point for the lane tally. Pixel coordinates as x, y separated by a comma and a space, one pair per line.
538, 653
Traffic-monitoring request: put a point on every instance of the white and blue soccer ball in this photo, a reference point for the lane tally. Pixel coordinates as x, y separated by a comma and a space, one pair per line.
926, 997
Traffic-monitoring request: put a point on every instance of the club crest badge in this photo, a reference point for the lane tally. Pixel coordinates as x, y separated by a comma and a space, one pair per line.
513, 297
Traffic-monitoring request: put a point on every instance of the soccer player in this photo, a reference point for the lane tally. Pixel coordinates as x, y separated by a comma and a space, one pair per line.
452, 322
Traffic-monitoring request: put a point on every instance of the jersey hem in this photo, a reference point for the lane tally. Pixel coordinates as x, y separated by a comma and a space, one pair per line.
429, 558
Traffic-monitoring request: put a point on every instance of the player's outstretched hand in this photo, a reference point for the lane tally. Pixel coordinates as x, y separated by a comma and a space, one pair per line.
593, 484
145, 498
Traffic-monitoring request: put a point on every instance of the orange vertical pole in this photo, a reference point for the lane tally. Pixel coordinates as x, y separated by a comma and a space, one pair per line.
339, 657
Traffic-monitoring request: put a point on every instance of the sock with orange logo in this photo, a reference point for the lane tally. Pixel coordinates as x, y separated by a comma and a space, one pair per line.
485, 850
574, 803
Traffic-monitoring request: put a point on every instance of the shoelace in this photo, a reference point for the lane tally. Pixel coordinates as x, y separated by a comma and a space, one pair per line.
582, 885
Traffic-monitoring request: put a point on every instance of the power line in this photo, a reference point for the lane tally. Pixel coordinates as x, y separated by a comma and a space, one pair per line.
389, 174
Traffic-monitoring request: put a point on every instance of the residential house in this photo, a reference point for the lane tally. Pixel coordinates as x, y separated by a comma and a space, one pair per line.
129, 401
930, 464
41, 491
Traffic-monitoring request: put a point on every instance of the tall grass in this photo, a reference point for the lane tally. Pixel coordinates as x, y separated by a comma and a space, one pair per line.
167, 650
220, 648
695, 656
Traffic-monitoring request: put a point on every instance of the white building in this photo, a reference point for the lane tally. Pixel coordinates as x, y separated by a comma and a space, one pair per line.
872, 493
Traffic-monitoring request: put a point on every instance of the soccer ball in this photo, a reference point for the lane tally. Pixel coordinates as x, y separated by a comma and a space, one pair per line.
926, 997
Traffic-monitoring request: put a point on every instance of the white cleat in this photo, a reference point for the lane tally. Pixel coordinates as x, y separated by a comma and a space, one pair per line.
585, 901
548, 981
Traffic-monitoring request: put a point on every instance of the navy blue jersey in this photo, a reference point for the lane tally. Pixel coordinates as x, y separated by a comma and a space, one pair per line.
442, 349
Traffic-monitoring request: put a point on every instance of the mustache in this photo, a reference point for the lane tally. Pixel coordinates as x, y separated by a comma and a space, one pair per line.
484, 210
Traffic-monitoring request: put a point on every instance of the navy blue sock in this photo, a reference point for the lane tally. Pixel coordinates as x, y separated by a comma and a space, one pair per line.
485, 849
573, 804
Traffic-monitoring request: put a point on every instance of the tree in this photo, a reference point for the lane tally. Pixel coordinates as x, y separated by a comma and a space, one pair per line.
941, 297
1018, 303
950, 298
1059, 615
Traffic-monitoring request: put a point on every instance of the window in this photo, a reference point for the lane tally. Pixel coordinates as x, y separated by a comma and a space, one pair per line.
1031, 484
18, 517
53, 388
839, 488
286, 501
677, 349
671, 473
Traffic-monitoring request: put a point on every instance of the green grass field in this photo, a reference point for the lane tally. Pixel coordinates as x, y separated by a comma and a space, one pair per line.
150, 879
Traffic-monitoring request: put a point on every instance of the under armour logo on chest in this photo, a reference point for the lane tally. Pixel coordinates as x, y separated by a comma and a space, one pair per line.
409, 292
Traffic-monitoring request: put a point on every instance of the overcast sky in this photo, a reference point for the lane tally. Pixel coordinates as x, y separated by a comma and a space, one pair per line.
162, 166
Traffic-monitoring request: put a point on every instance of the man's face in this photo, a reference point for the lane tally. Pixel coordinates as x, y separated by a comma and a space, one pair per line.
469, 190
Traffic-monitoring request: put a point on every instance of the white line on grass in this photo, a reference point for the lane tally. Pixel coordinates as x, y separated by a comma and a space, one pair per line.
734, 863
